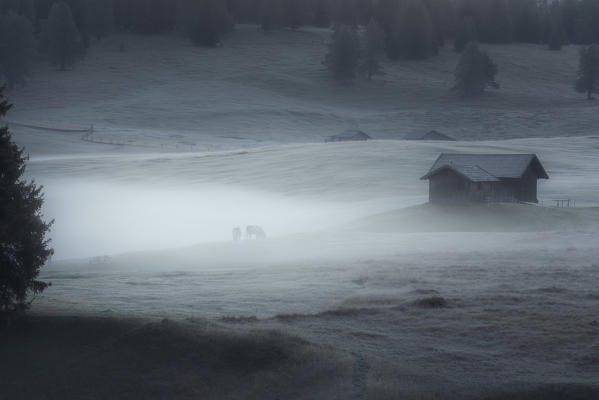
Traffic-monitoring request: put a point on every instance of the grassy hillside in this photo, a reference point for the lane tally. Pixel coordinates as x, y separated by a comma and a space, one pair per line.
482, 218
90, 358
272, 86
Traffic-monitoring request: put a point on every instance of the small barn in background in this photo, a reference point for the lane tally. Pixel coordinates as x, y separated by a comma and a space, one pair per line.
485, 178
348, 135
427, 135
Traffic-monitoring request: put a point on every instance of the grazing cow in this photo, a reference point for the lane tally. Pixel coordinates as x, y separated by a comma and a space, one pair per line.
236, 234
254, 232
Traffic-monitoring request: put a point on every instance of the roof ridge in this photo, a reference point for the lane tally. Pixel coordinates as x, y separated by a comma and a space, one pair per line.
493, 175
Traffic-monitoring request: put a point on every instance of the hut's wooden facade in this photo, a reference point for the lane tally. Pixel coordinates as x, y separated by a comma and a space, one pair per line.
485, 178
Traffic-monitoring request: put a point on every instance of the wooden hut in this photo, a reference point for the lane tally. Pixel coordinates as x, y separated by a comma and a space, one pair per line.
348, 135
485, 178
428, 135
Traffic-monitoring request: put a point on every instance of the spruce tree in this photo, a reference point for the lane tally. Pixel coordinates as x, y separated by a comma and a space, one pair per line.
555, 34
24, 248
294, 13
60, 37
498, 24
465, 34
16, 48
587, 23
474, 72
344, 12
569, 14
527, 23
416, 33
443, 15
588, 71
393, 31
272, 16
321, 13
206, 21
372, 47
100, 18
344, 52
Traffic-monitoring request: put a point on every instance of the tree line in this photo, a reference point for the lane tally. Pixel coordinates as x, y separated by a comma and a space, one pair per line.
431, 22
397, 29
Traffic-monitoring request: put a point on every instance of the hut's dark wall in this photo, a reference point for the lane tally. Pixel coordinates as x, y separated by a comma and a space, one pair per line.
521, 189
526, 187
449, 186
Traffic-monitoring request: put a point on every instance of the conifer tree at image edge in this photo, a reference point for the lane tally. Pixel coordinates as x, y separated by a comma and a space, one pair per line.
24, 248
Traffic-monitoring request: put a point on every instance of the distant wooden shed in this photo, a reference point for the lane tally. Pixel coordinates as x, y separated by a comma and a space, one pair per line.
428, 135
348, 135
485, 178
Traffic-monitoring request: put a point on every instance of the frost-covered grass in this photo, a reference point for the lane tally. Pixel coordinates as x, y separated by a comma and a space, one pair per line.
426, 302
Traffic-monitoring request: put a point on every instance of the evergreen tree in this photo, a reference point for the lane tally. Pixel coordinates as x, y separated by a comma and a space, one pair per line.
555, 34
100, 18
527, 22
588, 71
364, 10
344, 12
587, 23
410, 33
61, 39
344, 53
393, 31
569, 14
465, 34
24, 248
386, 13
372, 48
206, 21
417, 36
26, 8
150, 16
271, 15
294, 13
444, 17
321, 13
498, 25
16, 48
474, 72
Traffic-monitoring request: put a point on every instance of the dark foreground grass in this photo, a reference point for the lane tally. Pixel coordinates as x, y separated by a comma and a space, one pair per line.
565, 391
106, 358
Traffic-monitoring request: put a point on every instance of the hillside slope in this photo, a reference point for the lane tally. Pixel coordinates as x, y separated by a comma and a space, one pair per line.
272, 87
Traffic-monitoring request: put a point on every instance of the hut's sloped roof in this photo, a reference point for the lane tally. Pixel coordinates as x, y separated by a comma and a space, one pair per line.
473, 173
350, 134
505, 166
427, 135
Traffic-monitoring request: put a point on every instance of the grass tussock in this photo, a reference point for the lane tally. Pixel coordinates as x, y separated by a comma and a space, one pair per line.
431, 302
384, 384
241, 319
94, 358
340, 312
551, 392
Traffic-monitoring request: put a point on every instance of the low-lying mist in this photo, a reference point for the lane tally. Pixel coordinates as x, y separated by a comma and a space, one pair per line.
101, 218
